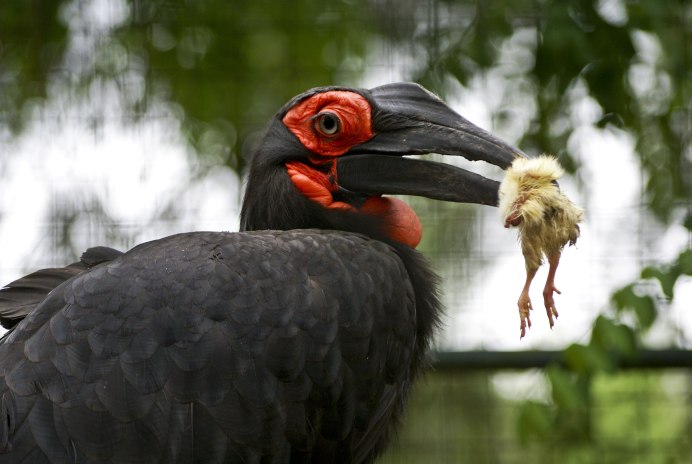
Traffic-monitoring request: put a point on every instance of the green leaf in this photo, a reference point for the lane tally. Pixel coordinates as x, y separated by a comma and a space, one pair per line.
667, 279
586, 359
685, 262
642, 305
535, 421
565, 389
624, 297
688, 221
645, 309
611, 336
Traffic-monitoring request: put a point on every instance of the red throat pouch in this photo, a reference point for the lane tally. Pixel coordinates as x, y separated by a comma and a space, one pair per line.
401, 221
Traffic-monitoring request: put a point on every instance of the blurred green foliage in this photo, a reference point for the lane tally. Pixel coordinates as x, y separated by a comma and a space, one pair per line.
457, 417
630, 57
228, 65
32, 42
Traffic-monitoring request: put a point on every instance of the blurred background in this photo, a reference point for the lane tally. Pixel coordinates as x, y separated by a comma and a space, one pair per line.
123, 121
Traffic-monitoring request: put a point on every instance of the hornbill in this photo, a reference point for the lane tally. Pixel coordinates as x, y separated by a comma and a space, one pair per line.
294, 340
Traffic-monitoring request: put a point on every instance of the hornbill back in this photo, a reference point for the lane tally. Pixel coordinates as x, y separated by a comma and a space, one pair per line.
279, 344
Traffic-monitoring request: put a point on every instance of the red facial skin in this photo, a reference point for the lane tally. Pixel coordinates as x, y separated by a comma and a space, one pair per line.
352, 109
354, 126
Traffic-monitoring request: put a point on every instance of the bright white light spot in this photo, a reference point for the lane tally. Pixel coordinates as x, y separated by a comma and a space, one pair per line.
613, 11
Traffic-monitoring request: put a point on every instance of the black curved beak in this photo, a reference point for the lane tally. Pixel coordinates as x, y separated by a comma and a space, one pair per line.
409, 120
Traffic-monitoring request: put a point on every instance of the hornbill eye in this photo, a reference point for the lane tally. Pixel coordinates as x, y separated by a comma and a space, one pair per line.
327, 124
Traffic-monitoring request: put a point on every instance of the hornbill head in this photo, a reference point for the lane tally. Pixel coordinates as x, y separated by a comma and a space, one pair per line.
331, 153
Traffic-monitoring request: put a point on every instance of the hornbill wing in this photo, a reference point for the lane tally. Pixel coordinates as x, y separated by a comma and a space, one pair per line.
214, 346
21, 296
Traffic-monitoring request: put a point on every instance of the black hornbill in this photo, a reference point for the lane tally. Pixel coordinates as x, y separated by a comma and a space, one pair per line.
295, 340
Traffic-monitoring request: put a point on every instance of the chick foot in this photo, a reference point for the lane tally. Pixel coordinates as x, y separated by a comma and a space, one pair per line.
524, 303
550, 288
549, 302
525, 307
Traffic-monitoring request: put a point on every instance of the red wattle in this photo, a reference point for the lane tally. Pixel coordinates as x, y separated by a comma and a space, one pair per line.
402, 222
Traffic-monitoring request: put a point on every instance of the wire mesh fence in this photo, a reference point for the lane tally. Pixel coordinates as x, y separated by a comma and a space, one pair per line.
471, 413
144, 86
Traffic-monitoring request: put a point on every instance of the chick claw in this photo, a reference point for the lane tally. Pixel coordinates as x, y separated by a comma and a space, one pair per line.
549, 302
525, 307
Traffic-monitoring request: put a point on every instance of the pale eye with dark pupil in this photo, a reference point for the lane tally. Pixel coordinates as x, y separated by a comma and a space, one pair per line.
328, 124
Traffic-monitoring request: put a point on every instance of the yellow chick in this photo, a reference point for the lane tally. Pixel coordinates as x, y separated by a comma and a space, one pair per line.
531, 200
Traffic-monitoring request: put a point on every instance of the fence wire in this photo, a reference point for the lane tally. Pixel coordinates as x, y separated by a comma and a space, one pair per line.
460, 412
640, 416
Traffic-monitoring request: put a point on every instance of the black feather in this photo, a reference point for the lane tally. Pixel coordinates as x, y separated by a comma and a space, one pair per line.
20, 297
306, 367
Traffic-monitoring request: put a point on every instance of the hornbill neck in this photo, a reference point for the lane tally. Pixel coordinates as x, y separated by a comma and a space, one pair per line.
272, 202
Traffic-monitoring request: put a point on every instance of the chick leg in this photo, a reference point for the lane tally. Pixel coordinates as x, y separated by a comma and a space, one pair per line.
549, 288
524, 302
